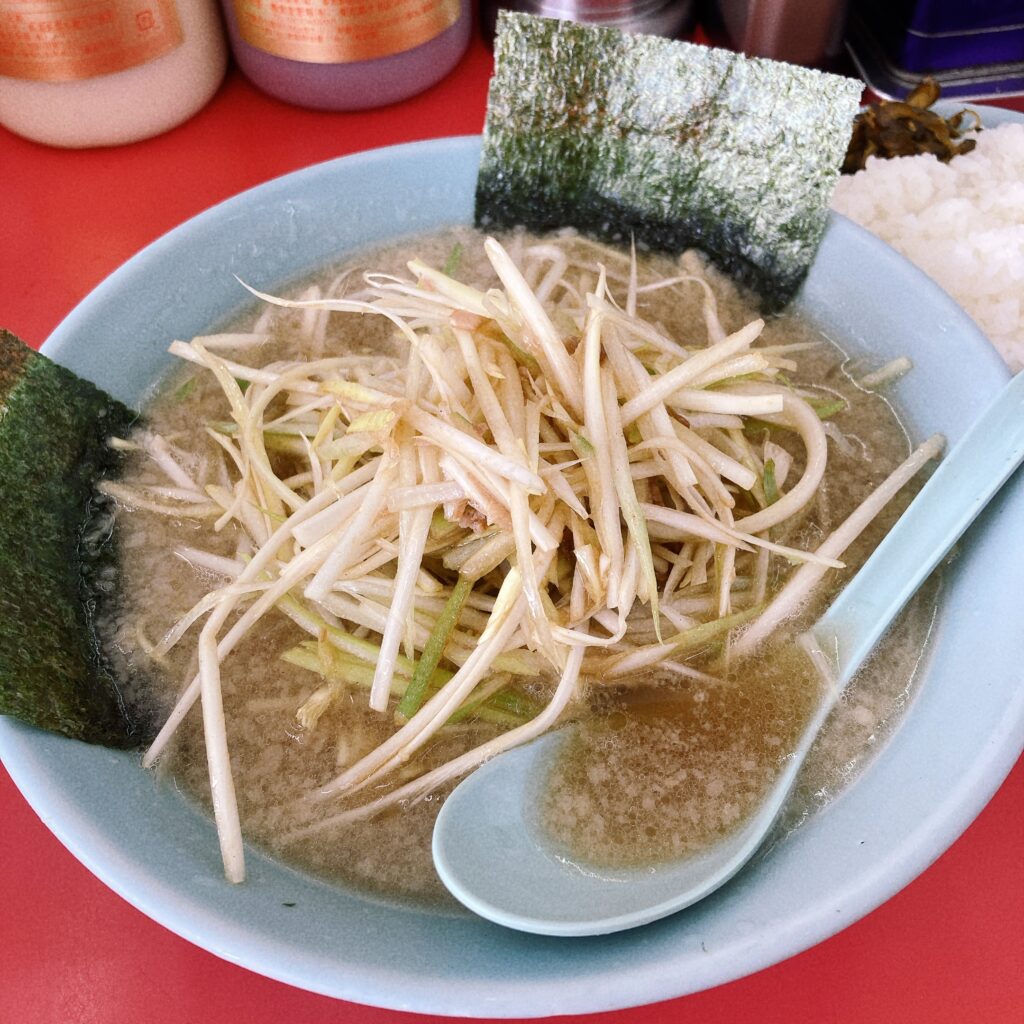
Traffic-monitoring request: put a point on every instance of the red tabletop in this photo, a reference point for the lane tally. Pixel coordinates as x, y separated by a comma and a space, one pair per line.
949, 947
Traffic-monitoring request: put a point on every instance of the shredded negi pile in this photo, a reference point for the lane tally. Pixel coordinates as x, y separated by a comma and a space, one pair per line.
548, 485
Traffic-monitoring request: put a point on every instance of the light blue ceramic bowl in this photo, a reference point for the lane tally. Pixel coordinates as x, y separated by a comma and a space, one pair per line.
951, 753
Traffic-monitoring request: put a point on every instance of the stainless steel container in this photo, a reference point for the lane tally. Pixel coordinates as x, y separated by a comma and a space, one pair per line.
798, 31
652, 17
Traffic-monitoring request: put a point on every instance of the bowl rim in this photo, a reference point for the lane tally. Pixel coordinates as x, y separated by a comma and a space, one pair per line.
642, 982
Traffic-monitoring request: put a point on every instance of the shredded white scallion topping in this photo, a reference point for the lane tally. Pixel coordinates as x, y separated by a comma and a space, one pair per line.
547, 485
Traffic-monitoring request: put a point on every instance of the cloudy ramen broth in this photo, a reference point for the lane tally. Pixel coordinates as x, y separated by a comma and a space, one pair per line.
659, 772
653, 770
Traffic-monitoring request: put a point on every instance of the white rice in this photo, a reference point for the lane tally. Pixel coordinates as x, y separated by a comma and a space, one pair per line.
962, 223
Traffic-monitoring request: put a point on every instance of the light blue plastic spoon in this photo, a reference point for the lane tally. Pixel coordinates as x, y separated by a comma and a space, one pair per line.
488, 846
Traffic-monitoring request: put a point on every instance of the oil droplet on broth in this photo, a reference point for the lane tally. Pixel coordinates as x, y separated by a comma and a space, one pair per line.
665, 771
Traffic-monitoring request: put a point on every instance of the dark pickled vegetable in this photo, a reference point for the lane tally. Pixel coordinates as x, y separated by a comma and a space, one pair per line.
908, 127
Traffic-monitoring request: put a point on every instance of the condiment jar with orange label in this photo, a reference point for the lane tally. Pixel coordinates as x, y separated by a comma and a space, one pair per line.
346, 54
103, 72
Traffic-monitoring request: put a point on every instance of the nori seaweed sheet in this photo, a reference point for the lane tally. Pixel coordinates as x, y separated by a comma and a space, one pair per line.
53, 432
676, 144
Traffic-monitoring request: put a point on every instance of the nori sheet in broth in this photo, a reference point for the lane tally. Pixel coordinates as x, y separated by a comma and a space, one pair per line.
674, 144
53, 447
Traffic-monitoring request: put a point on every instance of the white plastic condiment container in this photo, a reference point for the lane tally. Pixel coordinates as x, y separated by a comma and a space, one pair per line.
103, 72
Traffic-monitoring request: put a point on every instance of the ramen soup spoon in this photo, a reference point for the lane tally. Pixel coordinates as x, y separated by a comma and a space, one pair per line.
489, 846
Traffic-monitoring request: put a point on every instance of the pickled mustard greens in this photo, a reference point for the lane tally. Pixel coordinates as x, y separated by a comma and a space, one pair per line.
893, 128
537, 482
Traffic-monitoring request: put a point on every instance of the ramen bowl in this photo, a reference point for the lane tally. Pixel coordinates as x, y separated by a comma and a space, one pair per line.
953, 748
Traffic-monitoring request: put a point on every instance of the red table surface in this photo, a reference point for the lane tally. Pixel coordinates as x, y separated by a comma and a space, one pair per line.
949, 947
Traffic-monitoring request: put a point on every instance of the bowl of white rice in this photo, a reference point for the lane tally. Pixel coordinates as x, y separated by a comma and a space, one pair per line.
961, 222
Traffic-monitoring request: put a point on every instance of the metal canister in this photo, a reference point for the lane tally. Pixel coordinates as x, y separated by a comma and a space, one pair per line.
654, 17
